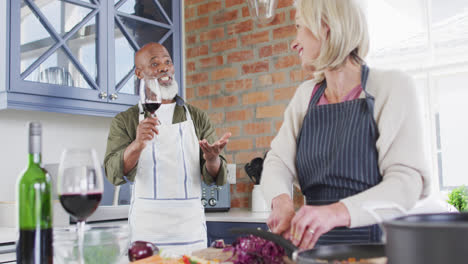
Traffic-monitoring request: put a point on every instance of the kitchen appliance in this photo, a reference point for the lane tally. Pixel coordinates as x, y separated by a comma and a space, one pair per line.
216, 198
427, 238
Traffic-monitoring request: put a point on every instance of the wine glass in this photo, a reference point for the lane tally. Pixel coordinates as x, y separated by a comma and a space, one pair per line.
150, 95
80, 187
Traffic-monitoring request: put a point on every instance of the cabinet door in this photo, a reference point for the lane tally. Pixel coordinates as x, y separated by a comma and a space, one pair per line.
132, 24
220, 230
58, 48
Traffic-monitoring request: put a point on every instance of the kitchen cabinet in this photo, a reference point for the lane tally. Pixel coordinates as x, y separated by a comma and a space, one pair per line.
76, 56
220, 230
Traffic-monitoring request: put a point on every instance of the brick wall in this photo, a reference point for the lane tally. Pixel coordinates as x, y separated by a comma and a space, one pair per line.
243, 75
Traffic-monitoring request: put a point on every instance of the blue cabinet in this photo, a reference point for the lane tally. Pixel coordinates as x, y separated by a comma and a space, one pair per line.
76, 56
220, 230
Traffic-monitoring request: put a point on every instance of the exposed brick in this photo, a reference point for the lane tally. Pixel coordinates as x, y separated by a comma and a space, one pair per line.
240, 27
278, 125
266, 51
224, 101
229, 158
191, 40
197, 51
197, 78
209, 89
239, 144
189, 93
223, 45
190, 12
235, 131
223, 74
270, 111
255, 38
190, 66
230, 3
284, 32
211, 61
261, 66
296, 75
244, 187
255, 98
211, 6
277, 20
238, 85
280, 48
292, 15
239, 115
225, 17
202, 104
240, 56
263, 142
257, 128
216, 33
285, 3
272, 79
245, 157
240, 202
245, 12
196, 24
192, 2
216, 118
287, 61
284, 93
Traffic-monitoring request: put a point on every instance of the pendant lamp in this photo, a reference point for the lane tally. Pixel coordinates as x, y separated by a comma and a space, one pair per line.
262, 11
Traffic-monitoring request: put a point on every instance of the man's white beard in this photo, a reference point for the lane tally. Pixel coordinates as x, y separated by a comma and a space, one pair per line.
169, 92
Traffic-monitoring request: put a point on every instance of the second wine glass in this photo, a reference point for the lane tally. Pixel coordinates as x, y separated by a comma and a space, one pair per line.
80, 187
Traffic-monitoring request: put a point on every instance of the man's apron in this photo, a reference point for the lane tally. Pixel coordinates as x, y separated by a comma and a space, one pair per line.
337, 157
166, 208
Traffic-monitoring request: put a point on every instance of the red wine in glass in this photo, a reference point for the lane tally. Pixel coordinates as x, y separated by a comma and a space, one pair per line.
80, 206
151, 107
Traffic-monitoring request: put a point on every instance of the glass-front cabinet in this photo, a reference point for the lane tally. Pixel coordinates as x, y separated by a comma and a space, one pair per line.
76, 56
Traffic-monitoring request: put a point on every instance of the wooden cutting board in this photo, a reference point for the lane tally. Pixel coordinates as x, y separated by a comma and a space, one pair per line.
213, 254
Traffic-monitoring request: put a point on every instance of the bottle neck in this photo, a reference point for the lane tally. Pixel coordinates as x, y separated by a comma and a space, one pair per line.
35, 149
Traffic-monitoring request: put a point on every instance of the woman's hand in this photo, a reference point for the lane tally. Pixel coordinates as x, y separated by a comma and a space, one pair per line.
281, 215
311, 222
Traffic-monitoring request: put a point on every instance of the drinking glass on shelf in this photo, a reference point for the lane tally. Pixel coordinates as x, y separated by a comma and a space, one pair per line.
150, 95
80, 187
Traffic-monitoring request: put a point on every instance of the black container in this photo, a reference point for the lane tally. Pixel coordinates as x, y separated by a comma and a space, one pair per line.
427, 239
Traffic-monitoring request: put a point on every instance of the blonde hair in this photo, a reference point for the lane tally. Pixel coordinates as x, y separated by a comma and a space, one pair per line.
348, 35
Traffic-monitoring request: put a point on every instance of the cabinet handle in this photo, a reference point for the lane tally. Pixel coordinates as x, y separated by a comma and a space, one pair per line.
113, 97
102, 95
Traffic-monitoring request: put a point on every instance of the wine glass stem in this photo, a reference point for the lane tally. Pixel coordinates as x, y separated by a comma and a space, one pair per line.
81, 226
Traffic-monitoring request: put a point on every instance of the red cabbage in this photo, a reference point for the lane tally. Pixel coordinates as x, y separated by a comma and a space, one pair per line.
255, 250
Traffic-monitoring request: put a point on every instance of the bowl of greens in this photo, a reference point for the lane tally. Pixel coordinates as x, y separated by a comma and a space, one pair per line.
101, 244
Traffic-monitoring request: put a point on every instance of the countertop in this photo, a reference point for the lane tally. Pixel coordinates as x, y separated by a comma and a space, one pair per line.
238, 215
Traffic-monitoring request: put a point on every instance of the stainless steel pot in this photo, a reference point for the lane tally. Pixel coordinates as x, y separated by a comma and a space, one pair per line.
427, 238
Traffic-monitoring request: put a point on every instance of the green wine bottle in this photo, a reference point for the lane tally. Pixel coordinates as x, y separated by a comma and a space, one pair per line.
34, 198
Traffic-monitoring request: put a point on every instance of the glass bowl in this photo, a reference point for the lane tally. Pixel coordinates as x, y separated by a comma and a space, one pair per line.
102, 244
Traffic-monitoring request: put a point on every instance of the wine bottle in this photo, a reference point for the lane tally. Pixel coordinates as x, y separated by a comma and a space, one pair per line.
34, 202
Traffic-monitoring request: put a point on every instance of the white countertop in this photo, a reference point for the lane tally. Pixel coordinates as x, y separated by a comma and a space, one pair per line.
238, 215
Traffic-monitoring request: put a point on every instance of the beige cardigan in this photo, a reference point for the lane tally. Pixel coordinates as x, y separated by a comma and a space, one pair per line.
403, 158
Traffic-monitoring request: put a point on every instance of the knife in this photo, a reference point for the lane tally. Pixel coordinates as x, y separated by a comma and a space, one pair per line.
288, 247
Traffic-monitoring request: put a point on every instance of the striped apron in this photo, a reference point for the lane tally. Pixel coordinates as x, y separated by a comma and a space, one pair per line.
337, 157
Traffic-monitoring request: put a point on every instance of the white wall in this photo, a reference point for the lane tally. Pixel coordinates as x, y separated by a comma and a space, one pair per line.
2, 45
59, 131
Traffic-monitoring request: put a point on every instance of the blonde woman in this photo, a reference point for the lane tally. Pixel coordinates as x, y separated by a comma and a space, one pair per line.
350, 136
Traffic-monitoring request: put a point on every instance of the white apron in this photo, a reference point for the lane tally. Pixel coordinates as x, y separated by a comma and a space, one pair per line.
166, 208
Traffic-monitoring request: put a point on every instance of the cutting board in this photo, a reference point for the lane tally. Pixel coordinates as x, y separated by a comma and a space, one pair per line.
213, 254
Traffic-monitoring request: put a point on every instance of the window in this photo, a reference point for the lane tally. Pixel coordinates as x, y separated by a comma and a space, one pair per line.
429, 39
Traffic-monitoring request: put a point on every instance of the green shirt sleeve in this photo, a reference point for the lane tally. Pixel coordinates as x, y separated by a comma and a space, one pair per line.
121, 133
205, 130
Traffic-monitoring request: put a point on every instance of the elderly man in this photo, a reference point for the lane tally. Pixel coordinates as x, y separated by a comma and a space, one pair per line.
161, 154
